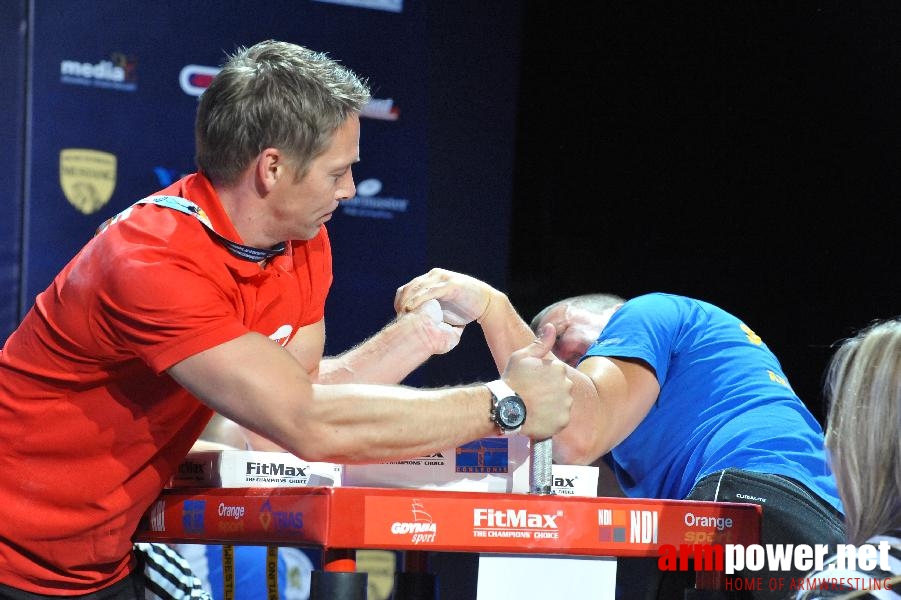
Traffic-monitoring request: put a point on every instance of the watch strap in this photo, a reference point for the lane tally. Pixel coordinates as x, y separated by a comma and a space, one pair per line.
499, 389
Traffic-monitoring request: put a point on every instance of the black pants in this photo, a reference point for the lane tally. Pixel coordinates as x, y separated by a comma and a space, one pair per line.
130, 588
792, 514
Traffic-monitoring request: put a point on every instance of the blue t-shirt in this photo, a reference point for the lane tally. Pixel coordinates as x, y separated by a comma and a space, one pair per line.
724, 402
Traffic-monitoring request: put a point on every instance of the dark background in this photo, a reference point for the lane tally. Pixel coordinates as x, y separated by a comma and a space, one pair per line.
745, 153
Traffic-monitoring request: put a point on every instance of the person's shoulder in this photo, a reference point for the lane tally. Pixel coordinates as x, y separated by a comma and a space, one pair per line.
659, 301
657, 311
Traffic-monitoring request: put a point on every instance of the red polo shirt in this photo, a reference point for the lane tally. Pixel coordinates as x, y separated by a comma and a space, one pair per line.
92, 426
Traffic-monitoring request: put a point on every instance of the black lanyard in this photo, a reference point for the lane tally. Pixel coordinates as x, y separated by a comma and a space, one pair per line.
187, 207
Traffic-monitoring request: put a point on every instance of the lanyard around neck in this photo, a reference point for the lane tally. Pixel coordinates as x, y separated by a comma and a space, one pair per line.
187, 207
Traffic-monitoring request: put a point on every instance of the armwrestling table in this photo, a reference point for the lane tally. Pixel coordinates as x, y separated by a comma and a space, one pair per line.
341, 520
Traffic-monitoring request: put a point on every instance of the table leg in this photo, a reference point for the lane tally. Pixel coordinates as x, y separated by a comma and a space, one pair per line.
415, 581
338, 579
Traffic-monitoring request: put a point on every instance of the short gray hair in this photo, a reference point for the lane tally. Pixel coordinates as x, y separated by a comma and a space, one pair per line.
596, 303
273, 94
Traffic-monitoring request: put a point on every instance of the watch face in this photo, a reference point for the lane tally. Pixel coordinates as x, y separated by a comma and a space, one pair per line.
511, 412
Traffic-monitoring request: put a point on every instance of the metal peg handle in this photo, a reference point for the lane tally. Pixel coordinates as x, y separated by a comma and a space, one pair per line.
541, 476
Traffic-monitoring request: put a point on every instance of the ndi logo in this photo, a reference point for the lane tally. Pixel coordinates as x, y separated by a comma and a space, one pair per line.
642, 526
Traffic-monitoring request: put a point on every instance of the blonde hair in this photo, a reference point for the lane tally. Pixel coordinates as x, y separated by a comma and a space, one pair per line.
863, 432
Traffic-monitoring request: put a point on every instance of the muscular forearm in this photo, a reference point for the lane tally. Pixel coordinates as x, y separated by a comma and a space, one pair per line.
610, 398
504, 329
387, 357
583, 441
361, 424
260, 386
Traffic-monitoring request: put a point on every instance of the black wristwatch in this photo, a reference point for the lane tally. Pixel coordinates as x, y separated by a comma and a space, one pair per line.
508, 411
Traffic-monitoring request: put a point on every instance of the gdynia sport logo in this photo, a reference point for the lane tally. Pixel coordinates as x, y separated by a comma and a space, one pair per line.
732, 559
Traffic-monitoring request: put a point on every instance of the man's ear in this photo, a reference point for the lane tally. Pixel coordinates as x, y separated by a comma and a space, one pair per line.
270, 167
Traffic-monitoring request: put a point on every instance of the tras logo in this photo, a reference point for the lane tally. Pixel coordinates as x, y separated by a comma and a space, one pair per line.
421, 530
277, 520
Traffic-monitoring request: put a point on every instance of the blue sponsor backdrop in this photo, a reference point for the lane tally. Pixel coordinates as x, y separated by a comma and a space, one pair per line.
12, 139
113, 94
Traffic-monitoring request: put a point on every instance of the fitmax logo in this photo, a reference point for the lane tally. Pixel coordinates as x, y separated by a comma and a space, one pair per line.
513, 518
275, 469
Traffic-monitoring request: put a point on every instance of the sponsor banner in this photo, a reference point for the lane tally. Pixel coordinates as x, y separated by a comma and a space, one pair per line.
12, 136
426, 191
363, 517
113, 117
494, 464
237, 516
483, 465
252, 468
546, 524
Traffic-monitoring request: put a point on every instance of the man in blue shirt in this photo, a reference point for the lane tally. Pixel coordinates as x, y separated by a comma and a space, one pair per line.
682, 399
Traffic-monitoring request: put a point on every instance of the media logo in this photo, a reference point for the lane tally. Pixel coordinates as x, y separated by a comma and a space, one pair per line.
117, 73
487, 455
87, 178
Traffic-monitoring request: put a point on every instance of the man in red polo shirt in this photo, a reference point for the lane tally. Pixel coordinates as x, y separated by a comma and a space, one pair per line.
209, 296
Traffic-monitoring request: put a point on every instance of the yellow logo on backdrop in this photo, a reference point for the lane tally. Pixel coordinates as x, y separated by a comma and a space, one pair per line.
88, 178
380, 567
